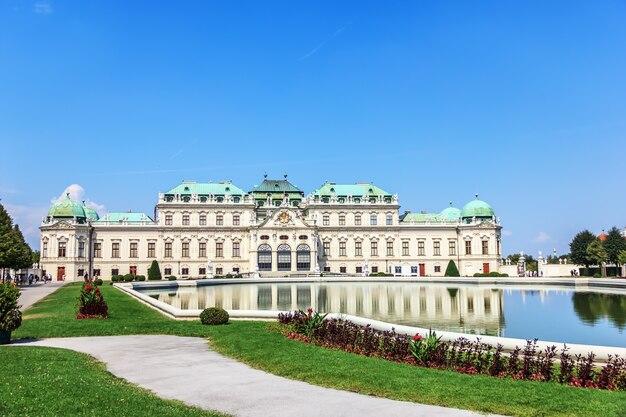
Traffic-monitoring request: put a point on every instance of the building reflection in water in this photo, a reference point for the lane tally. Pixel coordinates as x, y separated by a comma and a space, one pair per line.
464, 309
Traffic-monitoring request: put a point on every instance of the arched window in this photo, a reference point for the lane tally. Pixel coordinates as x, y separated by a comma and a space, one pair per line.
284, 257
303, 257
265, 257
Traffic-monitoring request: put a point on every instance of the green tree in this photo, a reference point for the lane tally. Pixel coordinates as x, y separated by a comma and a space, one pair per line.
14, 252
614, 244
452, 270
597, 253
154, 272
622, 257
35, 257
578, 248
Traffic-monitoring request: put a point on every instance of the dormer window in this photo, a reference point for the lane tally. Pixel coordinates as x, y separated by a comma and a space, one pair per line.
227, 188
186, 188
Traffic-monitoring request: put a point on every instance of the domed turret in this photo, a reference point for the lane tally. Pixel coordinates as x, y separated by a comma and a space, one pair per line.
451, 214
90, 213
477, 209
67, 209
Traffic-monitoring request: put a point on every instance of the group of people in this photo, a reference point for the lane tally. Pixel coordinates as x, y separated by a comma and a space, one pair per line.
574, 273
30, 279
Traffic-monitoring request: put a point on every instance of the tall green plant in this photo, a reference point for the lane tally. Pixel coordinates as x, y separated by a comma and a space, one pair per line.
154, 272
452, 270
578, 248
597, 254
10, 315
614, 244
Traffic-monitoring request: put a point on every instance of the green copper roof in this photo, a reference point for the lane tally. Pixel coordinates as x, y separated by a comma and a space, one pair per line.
277, 186
67, 208
451, 214
421, 217
358, 189
192, 187
128, 217
477, 208
91, 213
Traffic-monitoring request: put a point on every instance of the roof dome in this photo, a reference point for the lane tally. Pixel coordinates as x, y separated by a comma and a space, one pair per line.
90, 213
477, 208
67, 208
451, 214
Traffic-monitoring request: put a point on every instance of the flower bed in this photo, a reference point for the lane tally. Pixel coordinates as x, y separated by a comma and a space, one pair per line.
461, 355
91, 304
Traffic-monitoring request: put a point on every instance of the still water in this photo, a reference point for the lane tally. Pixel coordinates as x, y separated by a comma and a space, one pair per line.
547, 313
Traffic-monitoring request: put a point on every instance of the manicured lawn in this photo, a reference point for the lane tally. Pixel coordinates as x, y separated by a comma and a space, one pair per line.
37, 381
252, 343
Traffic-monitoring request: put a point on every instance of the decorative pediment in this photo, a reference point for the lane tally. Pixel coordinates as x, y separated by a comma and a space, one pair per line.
284, 217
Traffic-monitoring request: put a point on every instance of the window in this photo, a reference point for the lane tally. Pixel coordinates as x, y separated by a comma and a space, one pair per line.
235, 220
389, 248
219, 271
185, 219
202, 220
358, 248
202, 271
468, 247
359, 270
327, 269
219, 249
374, 269
342, 248
405, 248
398, 269
81, 272
81, 249
184, 271
326, 220
115, 271
219, 220
452, 248
202, 249
342, 220
374, 248
115, 250
236, 250
326, 248
413, 270
283, 257
168, 249
437, 248
485, 247
44, 250
151, 250
62, 247
265, 257
97, 250
185, 250
373, 220
420, 248
133, 249
96, 272
168, 219
437, 268
357, 219
342, 269
264, 237
303, 257
389, 220
167, 271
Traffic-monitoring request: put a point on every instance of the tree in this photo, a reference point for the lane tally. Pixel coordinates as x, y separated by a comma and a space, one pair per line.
578, 248
35, 256
452, 270
622, 257
154, 272
614, 244
597, 253
14, 252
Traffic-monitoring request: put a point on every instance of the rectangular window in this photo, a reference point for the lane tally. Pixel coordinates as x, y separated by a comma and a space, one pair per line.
167, 271
236, 250
185, 250
184, 271
202, 271
219, 220
62, 248
168, 249
374, 269
452, 248
437, 268
81, 272
389, 248
202, 249
468, 247
358, 248
235, 220
437, 248
485, 247
326, 220
115, 271
342, 269
185, 219
97, 250
398, 269
374, 248
342, 220
373, 220
327, 269
413, 270
420, 248
96, 272
389, 220
133, 249
219, 249
326, 248
219, 271
151, 250
168, 219
81, 249
357, 219
359, 270
342, 248
202, 220
405, 248
44, 250
115, 250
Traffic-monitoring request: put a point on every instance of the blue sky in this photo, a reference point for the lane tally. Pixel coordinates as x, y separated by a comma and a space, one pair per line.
521, 102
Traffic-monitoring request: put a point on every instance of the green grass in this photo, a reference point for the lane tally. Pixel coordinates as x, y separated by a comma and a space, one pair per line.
252, 343
37, 381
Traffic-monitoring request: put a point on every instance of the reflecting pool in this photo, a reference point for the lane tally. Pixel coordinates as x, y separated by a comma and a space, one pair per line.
558, 314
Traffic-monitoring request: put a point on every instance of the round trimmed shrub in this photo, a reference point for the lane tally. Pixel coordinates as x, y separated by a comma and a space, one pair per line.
129, 277
140, 278
171, 278
214, 315
97, 282
597, 275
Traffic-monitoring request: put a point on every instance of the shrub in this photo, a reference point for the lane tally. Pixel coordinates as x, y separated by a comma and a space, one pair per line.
97, 282
494, 274
171, 278
129, 277
452, 270
504, 275
91, 303
154, 272
597, 275
214, 315
117, 278
140, 278
10, 315
479, 274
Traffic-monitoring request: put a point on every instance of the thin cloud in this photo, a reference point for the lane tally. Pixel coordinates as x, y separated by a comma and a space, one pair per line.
177, 153
29, 219
42, 7
321, 45
77, 192
542, 237
506, 232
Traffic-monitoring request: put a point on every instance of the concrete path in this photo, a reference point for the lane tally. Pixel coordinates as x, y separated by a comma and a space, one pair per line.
33, 293
186, 369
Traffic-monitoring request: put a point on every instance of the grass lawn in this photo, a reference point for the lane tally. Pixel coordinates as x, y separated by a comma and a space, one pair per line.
252, 343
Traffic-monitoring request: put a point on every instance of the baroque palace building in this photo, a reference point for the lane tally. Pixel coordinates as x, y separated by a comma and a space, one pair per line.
205, 229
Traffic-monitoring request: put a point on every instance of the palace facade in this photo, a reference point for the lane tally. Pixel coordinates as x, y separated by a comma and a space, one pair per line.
201, 230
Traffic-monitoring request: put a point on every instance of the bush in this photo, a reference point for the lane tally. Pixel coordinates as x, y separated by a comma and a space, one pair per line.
494, 274
140, 278
479, 275
214, 315
129, 277
452, 270
154, 272
117, 278
91, 303
171, 278
10, 315
597, 275
97, 282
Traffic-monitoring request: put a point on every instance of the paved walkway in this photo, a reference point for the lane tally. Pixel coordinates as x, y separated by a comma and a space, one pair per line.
186, 369
33, 293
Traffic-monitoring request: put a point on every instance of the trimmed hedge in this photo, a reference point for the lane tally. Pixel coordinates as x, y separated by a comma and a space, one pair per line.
171, 278
129, 277
214, 316
452, 270
97, 282
154, 272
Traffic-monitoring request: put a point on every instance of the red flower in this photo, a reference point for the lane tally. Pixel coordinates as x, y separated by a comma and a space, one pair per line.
310, 310
417, 337
87, 287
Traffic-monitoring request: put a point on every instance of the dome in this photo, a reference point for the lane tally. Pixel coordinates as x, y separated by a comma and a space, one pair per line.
67, 208
90, 213
477, 208
451, 214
